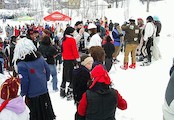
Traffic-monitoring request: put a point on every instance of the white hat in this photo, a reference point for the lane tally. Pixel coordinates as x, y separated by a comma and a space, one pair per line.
91, 26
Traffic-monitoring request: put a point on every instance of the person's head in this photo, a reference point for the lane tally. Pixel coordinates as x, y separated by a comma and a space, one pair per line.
149, 19
115, 25
156, 18
132, 20
140, 21
92, 28
13, 38
46, 40
79, 24
98, 53
30, 34
23, 47
108, 38
46, 32
87, 61
69, 31
99, 75
36, 33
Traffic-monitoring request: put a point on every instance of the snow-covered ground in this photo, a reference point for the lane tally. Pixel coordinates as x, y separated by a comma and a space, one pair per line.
144, 87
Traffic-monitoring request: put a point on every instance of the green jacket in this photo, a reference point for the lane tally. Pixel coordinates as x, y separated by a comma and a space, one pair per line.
132, 33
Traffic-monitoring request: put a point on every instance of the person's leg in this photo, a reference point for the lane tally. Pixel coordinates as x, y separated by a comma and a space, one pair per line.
126, 55
54, 76
70, 87
148, 46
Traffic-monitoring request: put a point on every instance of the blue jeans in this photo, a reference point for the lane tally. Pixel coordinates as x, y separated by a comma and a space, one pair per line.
2, 65
53, 71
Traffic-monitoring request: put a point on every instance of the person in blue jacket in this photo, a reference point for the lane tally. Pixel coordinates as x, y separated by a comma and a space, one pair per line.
34, 73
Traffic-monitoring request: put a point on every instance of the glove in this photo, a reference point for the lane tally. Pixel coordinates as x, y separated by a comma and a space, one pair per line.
120, 35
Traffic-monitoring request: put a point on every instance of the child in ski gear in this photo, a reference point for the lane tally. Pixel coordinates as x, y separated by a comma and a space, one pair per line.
82, 78
100, 101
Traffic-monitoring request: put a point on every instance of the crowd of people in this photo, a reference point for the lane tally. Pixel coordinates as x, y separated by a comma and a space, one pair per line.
86, 52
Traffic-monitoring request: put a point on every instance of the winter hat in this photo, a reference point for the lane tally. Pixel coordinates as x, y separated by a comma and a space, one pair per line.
155, 18
92, 26
139, 19
23, 47
149, 18
78, 23
99, 74
86, 59
132, 19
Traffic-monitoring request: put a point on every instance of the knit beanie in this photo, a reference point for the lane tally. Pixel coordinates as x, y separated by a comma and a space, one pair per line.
87, 60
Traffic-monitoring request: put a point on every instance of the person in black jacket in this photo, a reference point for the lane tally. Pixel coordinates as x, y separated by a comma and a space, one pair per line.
82, 78
100, 101
111, 25
49, 53
109, 50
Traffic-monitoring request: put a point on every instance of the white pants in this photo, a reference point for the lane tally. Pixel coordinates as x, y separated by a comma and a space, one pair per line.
156, 54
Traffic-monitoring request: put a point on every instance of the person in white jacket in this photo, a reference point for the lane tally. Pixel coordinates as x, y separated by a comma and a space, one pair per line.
95, 39
149, 33
12, 108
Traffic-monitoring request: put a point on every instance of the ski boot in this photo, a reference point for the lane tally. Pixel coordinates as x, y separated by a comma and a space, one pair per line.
62, 92
69, 94
125, 66
133, 66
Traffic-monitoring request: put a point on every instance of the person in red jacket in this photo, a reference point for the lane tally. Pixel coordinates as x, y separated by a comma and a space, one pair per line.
17, 31
100, 101
69, 55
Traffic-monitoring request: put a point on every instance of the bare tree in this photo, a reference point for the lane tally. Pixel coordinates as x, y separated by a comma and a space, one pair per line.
126, 9
116, 3
148, 2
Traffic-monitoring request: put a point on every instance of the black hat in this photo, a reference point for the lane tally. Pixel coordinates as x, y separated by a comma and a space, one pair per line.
69, 30
149, 18
13, 38
78, 23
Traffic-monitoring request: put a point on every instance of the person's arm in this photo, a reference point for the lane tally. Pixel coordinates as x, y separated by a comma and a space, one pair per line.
74, 49
24, 80
122, 104
47, 70
79, 35
82, 105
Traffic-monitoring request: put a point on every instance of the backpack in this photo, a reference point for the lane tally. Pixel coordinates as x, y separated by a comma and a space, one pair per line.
9, 88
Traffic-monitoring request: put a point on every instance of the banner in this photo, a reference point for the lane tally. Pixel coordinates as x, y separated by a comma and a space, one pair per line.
74, 4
